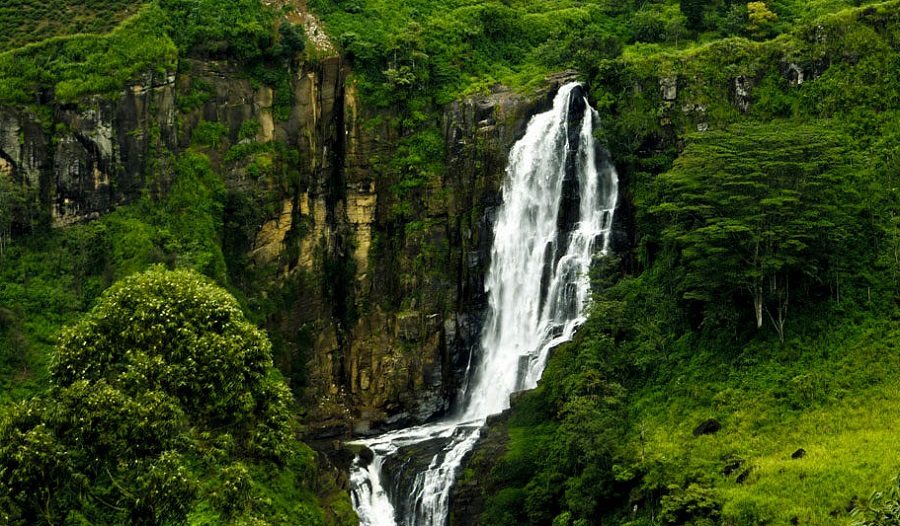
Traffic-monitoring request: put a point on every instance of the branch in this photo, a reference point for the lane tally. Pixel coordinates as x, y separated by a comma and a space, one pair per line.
46, 510
108, 505
123, 490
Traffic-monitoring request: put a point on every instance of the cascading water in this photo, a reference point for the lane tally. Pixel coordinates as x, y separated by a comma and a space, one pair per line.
558, 203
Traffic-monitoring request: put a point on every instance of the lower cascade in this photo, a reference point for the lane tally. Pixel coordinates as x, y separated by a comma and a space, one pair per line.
557, 212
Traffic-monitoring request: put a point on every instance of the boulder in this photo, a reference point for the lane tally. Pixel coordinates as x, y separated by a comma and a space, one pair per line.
708, 427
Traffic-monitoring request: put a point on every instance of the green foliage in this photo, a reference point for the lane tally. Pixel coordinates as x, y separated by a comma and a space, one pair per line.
235, 28
50, 277
435, 51
191, 216
19, 211
291, 41
75, 65
249, 130
695, 505
658, 24
754, 213
882, 509
563, 446
693, 10
163, 401
170, 331
200, 92
208, 134
28, 21
78, 65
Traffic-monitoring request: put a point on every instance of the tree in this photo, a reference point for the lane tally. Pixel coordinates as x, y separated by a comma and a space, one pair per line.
291, 42
758, 213
19, 210
693, 11
164, 389
761, 18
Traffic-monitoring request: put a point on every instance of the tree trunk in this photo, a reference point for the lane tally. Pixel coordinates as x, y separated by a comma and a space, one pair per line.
758, 304
782, 297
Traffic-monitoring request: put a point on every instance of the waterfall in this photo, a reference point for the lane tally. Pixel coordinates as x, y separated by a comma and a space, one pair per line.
558, 201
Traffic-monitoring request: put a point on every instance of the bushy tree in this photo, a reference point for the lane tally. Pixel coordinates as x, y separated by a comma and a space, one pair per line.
761, 18
291, 42
161, 396
694, 11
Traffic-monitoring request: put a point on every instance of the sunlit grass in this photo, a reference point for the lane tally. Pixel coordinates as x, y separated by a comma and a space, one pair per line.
29, 21
78, 65
850, 433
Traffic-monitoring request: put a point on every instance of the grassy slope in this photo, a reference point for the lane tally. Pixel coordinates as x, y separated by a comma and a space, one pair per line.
29, 21
835, 399
84, 64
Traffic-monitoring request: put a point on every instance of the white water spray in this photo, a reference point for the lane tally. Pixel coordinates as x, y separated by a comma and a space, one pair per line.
558, 203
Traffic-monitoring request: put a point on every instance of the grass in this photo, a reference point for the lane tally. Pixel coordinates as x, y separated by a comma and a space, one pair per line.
78, 65
837, 401
28, 21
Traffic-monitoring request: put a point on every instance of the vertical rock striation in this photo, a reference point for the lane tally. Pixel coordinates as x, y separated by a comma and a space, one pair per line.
384, 316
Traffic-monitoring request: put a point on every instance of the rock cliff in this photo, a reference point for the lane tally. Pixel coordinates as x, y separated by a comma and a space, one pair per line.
379, 309
85, 159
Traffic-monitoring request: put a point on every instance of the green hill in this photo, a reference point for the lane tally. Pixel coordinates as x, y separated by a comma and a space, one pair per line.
28, 21
761, 295
739, 365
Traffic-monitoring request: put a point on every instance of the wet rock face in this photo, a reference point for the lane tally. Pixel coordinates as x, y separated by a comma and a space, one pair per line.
370, 361
407, 366
571, 192
23, 148
88, 158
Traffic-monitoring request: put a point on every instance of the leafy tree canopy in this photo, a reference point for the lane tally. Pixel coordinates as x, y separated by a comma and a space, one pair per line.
164, 407
758, 215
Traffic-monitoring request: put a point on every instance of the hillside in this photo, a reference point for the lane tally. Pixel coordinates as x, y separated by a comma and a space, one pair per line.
739, 362
28, 21
739, 365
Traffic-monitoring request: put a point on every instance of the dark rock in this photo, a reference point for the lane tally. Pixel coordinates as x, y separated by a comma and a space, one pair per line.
800, 453
743, 476
333, 453
709, 427
473, 480
742, 88
327, 430
732, 466
366, 456
402, 467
